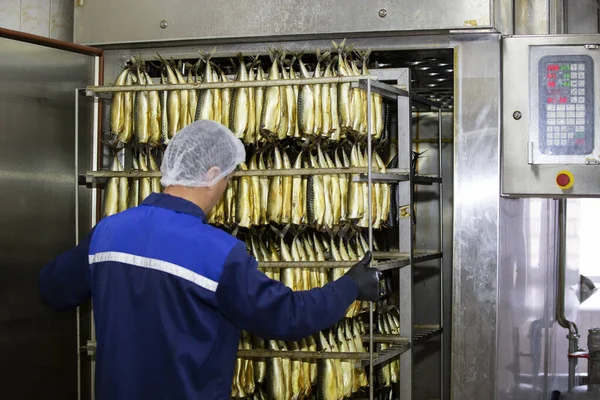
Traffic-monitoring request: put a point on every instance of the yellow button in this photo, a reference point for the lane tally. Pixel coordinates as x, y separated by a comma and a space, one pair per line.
564, 180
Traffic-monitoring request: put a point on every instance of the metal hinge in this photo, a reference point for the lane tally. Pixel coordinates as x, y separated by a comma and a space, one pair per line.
592, 46
530, 147
89, 348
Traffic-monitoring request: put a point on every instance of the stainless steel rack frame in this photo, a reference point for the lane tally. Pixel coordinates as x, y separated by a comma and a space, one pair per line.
407, 256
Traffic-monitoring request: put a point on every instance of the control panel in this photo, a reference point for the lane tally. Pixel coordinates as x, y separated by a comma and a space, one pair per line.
550, 114
566, 91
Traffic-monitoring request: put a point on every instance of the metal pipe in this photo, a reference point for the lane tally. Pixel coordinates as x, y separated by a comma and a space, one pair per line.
573, 347
77, 313
441, 227
370, 213
229, 85
594, 359
561, 319
557, 22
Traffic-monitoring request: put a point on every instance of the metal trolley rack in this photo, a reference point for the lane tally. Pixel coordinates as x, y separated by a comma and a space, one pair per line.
401, 262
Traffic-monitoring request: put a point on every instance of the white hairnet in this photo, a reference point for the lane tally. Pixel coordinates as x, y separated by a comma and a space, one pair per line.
197, 148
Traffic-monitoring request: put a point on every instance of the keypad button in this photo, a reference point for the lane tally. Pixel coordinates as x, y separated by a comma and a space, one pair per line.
551, 114
573, 67
549, 135
570, 135
570, 121
581, 92
557, 142
573, 99
580, 114
549, 142
574, 92
561, 107
581, 67
573, 83
581, 84
580, 128
563, 142
580, 121
580, 107
562, 128
581, 100
570, 107
582, 74
560, 121
563, 135
551, 107
570, 114
551, 122
559, 114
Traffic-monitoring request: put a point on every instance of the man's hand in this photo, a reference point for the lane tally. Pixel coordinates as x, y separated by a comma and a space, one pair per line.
366, 278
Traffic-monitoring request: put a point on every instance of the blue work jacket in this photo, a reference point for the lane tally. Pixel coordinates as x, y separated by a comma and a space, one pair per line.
171, 294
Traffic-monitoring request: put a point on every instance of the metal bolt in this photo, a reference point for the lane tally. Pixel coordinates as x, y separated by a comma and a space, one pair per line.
163, 24
382, 12
517, 115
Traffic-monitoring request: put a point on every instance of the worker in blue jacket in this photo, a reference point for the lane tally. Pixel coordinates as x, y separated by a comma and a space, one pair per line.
171, 293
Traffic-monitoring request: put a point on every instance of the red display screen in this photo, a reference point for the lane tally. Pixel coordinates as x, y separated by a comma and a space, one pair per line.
553, 67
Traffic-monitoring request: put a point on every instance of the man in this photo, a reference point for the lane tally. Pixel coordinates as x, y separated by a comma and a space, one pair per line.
171, 293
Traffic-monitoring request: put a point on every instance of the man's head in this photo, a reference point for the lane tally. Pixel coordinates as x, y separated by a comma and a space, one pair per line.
198, 162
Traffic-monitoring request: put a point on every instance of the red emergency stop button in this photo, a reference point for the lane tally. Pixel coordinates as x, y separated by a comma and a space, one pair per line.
564, 180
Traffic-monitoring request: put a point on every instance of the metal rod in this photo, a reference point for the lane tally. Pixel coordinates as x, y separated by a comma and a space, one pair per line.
397, 263
229, 85
391, 352
369, 208
255, 172
306, 264
561, 319
317, 355
427, 327
394, 91
441, 227
392, 176
433, 141
77, 234
394, 260
407, 244
384, 338
573, 347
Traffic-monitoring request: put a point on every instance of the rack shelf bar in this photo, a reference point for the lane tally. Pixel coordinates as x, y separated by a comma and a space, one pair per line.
388, 91
296, 354
427, 256
363, 357
393, 260
382, 266
422, 335
92, 90
392, 92
391, 352
392, 176
96, 175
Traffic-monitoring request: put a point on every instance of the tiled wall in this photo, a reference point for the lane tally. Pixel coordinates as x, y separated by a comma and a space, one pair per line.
50, 18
